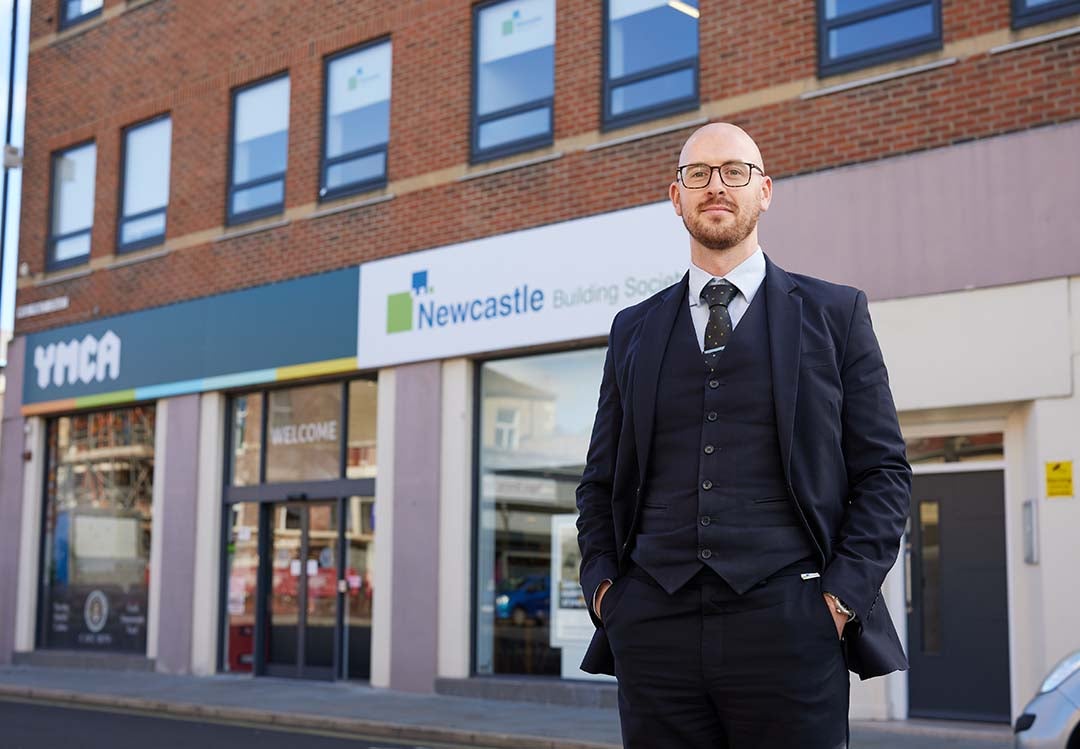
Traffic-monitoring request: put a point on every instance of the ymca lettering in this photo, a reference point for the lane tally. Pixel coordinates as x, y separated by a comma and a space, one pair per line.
74, 361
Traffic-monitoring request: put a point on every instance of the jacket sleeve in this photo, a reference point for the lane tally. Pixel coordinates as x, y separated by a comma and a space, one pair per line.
596, 529
879, 477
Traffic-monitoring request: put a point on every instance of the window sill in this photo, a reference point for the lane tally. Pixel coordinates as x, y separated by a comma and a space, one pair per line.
60, 276
330, 210
682, 125
870, 80
138, 256
509, 167
1035, 40
248, 230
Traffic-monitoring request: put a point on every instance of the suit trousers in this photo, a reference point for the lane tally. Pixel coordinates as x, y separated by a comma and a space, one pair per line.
706, 668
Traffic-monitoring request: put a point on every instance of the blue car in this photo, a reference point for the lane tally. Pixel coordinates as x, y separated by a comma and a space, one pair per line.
524, 600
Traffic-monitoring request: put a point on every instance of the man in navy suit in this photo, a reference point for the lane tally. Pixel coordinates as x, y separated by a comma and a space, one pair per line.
745, 490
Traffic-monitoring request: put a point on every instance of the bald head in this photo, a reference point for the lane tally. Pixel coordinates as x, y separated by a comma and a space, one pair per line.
722, 141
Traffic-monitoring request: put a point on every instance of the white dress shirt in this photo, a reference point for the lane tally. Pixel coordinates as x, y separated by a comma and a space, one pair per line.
746, 277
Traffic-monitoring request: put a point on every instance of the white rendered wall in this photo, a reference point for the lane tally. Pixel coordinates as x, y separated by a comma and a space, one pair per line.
157, 530
206, 593
455, 519
30, 535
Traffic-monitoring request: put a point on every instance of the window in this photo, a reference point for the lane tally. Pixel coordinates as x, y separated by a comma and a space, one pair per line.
260, 145
72, 206
513, 77
535, 420
650, 59
76, 11
1031, 12
357, 121
145, 192
97, 530
853, 34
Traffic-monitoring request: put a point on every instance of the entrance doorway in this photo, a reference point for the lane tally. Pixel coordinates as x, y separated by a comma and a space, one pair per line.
958, 629
301, 613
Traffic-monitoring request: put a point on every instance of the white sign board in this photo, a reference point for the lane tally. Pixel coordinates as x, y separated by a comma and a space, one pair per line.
554, 283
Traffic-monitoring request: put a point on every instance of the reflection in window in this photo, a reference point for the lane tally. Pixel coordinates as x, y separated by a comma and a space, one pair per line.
357, 120
304, 433
361, 456
930, 574
956, 449
652, 59
242, 568
246, 438
259, 150
146, 184
536, 417
857, 33
359, 574
99, 492
1030, 12
74, 11
515, 76
72, 205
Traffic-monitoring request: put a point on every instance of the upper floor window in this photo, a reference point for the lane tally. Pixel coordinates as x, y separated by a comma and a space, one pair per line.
650, 59
854, 34
513, 77
357, 120
145, 184
74, 11
1031, 12
260, 145
72, 212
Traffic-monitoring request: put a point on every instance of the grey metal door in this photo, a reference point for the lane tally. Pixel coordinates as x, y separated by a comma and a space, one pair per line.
958, 629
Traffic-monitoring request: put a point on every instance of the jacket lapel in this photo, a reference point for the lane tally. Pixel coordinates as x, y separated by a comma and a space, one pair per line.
785, 342
652, 342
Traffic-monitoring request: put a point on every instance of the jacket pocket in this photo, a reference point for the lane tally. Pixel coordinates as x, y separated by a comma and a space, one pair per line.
817, 358
767, 500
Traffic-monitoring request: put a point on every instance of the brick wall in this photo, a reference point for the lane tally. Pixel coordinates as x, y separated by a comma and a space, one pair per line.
185, 56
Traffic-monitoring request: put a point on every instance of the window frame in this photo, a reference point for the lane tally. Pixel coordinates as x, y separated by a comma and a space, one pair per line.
51, 263
276, 209
478, 155
897, 51
325, 162
121, 219
1023, 16
609, 121
64, 23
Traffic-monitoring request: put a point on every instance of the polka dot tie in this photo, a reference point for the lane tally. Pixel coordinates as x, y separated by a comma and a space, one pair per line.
718, 295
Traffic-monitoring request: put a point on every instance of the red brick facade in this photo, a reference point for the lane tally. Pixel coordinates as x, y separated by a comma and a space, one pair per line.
148, 57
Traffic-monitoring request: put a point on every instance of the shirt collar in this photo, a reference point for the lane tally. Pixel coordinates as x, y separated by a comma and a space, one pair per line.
746, 277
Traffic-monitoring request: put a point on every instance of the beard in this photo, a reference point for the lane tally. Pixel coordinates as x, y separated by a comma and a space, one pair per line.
724, 235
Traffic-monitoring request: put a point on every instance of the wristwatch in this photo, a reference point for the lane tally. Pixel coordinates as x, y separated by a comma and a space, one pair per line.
849, 613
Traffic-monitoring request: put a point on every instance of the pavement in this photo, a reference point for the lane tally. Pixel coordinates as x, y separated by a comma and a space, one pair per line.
362, 710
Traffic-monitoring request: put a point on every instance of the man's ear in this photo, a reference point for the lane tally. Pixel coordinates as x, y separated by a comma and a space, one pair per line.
673, 193
766, 193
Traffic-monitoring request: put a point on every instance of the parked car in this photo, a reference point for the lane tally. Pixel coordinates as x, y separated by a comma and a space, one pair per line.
524, 600
1052, 719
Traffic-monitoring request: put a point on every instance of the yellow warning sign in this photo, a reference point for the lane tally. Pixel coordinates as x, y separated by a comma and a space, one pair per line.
1059, 480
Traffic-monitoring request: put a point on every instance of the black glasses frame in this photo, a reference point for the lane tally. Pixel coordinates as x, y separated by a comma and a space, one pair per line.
749, 176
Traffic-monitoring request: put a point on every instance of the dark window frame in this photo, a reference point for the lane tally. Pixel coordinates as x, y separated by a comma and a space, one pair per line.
890, 53
478, 155
50, 262
121, 219
275, 209
65, 23
611, 121
1023, 16
326, 162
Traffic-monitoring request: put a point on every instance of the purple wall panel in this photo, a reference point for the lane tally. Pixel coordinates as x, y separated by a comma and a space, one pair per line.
986, 213
415, 578
178, 544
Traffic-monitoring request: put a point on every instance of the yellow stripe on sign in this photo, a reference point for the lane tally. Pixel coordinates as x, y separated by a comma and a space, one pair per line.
330, 366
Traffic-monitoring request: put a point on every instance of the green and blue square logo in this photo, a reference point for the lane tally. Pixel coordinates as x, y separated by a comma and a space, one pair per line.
399, 307
508, 24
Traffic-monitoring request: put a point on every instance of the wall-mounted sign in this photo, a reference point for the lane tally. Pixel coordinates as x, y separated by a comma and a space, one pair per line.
1059, 479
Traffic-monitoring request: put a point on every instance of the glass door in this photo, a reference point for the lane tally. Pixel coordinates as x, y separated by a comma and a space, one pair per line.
302, 602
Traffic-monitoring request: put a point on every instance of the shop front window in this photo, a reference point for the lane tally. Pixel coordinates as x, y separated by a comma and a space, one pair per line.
304, 434
98, 497
535, 418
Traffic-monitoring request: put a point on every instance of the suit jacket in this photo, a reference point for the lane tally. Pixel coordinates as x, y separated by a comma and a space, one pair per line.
843, 455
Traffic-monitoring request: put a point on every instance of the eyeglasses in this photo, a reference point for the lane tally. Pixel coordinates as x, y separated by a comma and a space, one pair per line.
732, 174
